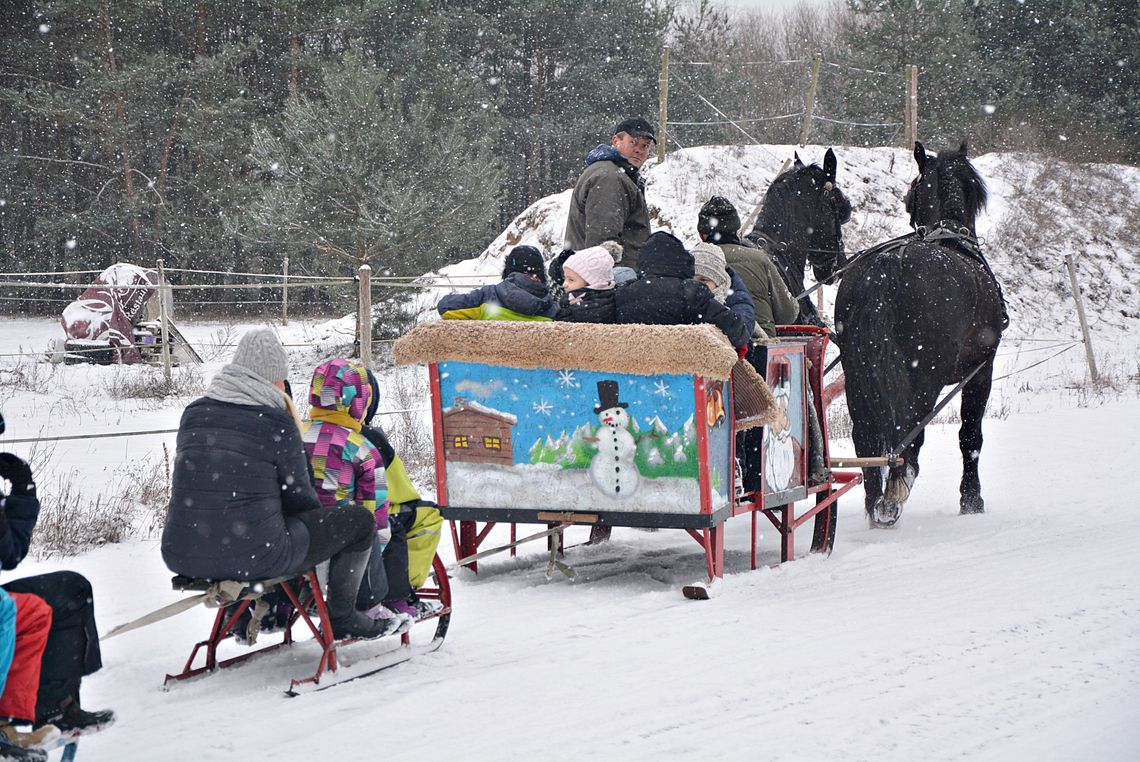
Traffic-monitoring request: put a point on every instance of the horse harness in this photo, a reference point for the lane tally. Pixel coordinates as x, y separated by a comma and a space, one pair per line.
966, 244
960, 238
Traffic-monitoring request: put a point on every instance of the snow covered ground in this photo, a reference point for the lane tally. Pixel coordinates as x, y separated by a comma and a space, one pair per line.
1013, 635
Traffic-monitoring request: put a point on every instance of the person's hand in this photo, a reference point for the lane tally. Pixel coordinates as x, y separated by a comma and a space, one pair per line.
18, 473
384, 535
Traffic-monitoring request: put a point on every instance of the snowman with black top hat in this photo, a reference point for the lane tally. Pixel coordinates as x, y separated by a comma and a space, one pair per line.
613, 469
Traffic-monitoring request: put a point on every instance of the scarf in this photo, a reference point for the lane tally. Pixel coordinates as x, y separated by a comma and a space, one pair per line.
241, 386
334, 416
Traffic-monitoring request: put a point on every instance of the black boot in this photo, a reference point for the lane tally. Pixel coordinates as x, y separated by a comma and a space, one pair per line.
346, 570
71, 719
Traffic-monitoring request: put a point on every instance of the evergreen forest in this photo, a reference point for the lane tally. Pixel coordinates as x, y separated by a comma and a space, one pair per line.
405, 134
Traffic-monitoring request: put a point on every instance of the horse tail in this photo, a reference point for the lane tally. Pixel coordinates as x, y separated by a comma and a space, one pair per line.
875, 367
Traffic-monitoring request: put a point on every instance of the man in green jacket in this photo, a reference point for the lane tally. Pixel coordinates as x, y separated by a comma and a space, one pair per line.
719, 223
609, 199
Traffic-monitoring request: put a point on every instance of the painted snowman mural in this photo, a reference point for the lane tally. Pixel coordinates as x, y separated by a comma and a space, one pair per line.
613, 469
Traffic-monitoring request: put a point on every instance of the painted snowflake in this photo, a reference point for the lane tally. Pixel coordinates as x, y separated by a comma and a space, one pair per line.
542, 408
566, 379
662, 388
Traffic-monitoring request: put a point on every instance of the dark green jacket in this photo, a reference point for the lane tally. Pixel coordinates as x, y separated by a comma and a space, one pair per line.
774, 303
608, 205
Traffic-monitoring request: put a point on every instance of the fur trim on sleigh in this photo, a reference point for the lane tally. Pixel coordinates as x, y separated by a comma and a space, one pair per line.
698, 350
644, 350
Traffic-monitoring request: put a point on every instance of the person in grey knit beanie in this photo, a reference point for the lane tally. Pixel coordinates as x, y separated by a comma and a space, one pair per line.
242, 502
261, 352
256, 374
709, 266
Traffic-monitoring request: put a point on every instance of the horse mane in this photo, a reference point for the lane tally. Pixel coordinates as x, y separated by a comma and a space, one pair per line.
960, 185
779, 196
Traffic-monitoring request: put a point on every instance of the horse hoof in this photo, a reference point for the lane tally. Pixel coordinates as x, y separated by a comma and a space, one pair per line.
884, 514
970, 507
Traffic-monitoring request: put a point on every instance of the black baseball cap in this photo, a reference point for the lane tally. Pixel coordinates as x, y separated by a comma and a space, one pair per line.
637, 127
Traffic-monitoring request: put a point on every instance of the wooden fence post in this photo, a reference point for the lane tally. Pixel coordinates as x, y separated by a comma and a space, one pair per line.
910, 124
285, 293
364, 315
809, 99
1081, 317
663, 104
908, 138
163, 317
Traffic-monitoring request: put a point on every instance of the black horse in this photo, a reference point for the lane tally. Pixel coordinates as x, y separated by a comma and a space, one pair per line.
800, 220
915, 316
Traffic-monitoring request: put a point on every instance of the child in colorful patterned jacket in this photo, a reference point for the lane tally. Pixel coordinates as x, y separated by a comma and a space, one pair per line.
347, 468
415, 522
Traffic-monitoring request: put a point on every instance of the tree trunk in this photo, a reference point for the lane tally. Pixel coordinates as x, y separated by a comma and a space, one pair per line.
128, 177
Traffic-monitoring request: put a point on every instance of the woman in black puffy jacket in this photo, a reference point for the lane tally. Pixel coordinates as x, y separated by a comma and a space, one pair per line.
666, 294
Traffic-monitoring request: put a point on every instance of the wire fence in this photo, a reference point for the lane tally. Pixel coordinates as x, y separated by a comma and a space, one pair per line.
181, 293
4, 442
831, 102
276, 293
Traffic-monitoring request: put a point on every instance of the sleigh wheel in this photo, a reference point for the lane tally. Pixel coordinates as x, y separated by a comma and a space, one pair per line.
823, 539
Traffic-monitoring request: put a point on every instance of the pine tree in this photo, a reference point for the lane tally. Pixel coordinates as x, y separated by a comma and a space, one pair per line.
938, 37
1063, 75
365, 171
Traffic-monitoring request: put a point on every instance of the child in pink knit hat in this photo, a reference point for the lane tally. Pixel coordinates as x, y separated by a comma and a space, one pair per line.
588, 284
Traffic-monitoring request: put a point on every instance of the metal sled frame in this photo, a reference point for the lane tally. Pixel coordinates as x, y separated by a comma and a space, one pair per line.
706, 527
317, 622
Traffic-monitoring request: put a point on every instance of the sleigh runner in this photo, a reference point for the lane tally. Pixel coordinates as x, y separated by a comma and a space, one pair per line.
242, 605
620, 425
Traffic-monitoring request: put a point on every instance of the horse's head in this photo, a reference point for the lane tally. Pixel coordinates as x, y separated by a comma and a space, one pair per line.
947, 189
806, 210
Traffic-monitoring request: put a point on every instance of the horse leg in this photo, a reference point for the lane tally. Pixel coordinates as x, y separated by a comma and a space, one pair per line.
974, 398
867, 444
901, 478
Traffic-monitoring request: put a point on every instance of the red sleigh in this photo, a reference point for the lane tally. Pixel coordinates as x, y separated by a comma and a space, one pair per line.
497, 387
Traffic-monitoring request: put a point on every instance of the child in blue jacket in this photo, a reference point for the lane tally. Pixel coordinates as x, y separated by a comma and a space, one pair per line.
521, 295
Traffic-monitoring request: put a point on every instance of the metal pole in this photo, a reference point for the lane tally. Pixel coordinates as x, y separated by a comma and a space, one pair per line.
285, 293
663, 107
163, 318
1081, 317
809, 99
364, 315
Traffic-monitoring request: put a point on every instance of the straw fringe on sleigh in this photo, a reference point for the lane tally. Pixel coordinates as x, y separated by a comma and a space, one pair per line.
698, 350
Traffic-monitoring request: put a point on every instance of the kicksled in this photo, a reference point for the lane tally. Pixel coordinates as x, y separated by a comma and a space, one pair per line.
307, 627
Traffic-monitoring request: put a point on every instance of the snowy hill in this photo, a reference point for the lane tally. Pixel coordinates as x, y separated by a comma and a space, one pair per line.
1040, 209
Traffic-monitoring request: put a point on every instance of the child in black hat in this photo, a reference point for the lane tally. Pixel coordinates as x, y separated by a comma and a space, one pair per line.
521, 295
